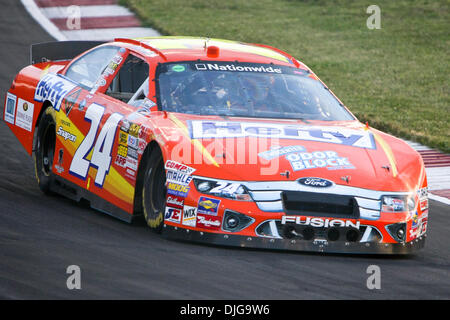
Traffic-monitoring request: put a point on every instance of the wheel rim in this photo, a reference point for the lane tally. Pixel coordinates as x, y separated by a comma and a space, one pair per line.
159, 189
48, 149
155, 190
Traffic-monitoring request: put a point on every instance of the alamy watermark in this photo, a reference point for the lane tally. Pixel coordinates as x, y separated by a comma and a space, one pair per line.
74, 280
374, 20
73, 21
374, 279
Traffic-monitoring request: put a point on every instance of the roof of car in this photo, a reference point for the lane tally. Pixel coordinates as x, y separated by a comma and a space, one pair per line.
192, 48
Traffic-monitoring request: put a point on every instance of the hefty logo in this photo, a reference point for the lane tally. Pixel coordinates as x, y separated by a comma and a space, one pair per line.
315, 182
54, 89
207, 129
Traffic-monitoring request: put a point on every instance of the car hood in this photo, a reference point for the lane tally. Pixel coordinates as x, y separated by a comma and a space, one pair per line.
248, 149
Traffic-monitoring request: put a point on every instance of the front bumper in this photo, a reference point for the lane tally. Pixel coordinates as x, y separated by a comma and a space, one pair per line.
289, 216
235, 240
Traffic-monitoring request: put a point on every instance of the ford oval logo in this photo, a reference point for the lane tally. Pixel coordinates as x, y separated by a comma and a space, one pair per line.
315, 182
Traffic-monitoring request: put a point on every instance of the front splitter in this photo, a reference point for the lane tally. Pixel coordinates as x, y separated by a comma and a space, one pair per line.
234, 240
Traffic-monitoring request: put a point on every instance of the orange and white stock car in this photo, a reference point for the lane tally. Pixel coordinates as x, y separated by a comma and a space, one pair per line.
215, 141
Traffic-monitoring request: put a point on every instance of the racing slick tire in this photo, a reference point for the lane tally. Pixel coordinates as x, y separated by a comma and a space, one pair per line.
154, 191
44, 149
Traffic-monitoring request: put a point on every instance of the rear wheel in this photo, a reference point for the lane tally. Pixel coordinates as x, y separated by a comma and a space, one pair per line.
154, 191
45, 149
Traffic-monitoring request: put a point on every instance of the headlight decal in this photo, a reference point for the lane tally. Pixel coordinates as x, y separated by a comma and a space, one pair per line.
397, 204
224, 189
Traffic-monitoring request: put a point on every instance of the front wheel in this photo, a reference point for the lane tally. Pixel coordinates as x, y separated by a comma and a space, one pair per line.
154, 191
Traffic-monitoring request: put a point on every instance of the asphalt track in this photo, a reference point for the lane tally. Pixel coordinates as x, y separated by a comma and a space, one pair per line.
40, 236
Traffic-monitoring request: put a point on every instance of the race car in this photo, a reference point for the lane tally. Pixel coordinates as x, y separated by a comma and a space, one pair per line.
215, 141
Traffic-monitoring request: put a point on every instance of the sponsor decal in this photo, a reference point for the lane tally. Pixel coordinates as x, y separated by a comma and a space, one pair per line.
176, 166
65, 123
132, 163
132, 153
133, 141
414, 219
53, 88
189, 216
99, 83
177, 189
142, 145
122, 151
178, 177
319, 222
318, 159
148, 104
82, 105
208, 222
423, 204
315, 182
134, 130
174, 201
420, 228
131, 173
125, 126
276, 152
172, 214
10, 108
70, 100
423, 198
208, 206
178, 68
235, 68
24, 116
117, 59
423, 193
397, 205
66, 135
112, 66
204, 129
121, 161
123, 138
59, 165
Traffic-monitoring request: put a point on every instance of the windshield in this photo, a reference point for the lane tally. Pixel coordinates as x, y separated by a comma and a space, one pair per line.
245, 89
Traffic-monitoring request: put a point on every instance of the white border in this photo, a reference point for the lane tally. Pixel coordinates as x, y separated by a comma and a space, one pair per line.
438, 198
42, 20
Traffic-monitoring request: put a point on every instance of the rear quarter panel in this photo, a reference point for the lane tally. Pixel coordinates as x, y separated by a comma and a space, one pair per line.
23, 117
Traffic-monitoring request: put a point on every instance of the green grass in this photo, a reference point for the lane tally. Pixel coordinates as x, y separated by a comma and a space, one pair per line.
396, 78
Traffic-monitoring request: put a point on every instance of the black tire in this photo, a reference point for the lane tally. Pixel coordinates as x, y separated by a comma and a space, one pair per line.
44, 149
154, 191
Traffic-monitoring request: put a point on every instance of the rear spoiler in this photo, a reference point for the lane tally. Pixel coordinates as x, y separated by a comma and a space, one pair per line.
59, 50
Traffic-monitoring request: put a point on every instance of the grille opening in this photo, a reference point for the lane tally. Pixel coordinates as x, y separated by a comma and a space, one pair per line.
320, 204
352, 235
289, 232
308, 233
333, 234
302, 232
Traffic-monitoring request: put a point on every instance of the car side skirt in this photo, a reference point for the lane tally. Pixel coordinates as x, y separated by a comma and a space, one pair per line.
72, 191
